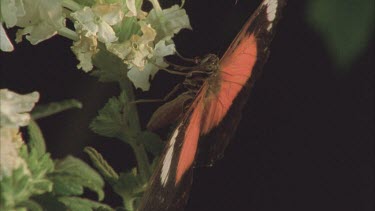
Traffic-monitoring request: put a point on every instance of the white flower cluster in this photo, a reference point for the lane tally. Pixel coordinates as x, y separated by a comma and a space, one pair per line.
40, 20
138, 38
14, 110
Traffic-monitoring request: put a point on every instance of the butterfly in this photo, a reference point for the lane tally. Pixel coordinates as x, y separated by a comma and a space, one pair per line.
217, 92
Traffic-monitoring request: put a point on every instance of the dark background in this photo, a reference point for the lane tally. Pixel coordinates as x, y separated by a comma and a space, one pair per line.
306, 139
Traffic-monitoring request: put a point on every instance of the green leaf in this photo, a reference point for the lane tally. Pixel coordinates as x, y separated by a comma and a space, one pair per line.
346, 27
130, 187
152, 142
50, 202
102, 165
36, 141
23, 183
66, 184
110, 67
41, 186
39, 166
41, 111
78, 173
14, 188
30, 205
80, 204
113, 120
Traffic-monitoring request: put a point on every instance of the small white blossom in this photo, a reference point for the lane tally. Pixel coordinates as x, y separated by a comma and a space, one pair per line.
141, 78
14, 108
170, 22
10, 142
11, 10
84, 49
97, 21
41, 21
93, 25
138, 49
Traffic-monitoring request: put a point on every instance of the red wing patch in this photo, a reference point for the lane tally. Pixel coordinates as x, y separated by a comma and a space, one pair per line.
190, 143
234, 73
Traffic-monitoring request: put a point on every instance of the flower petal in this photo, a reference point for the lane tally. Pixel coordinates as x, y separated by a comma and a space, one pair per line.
109, 13
173, 20
14, 108
132, 9
84, 49
5, 43
11, 10
141, 79
106, 33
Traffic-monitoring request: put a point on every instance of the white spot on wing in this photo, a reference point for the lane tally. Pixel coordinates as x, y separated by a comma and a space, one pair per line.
168, 158
269, 27
271, 11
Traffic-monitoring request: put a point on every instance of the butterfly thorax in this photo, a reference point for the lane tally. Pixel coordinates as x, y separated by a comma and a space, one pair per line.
206, 71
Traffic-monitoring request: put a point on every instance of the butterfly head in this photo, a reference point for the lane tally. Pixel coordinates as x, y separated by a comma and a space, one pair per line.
209, 63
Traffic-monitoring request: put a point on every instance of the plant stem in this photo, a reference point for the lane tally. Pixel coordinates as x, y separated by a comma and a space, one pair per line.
142, 160
70, 34
138, 148
156, 6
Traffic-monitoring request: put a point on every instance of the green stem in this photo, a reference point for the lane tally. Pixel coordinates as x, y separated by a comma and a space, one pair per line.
138, 148
68, 33
142, 160
129, 205
156, 6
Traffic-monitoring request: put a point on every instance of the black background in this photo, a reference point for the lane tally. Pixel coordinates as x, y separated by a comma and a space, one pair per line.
306, 137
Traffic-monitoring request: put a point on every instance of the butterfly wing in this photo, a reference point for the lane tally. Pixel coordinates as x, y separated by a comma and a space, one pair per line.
240, 66
170, 184
170, 112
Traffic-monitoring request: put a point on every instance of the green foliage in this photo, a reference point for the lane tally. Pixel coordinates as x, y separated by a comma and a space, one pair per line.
113, 120
152, 142
102, 165
41, 111
71, 175
17, 188
346, 27
36, 139
49, 202
110, 67
41, 184
130, 187
80, 204
30, 205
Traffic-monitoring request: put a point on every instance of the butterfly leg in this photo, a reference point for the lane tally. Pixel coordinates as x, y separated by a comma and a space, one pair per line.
180, 67
194, 60
174, 72
164, 99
